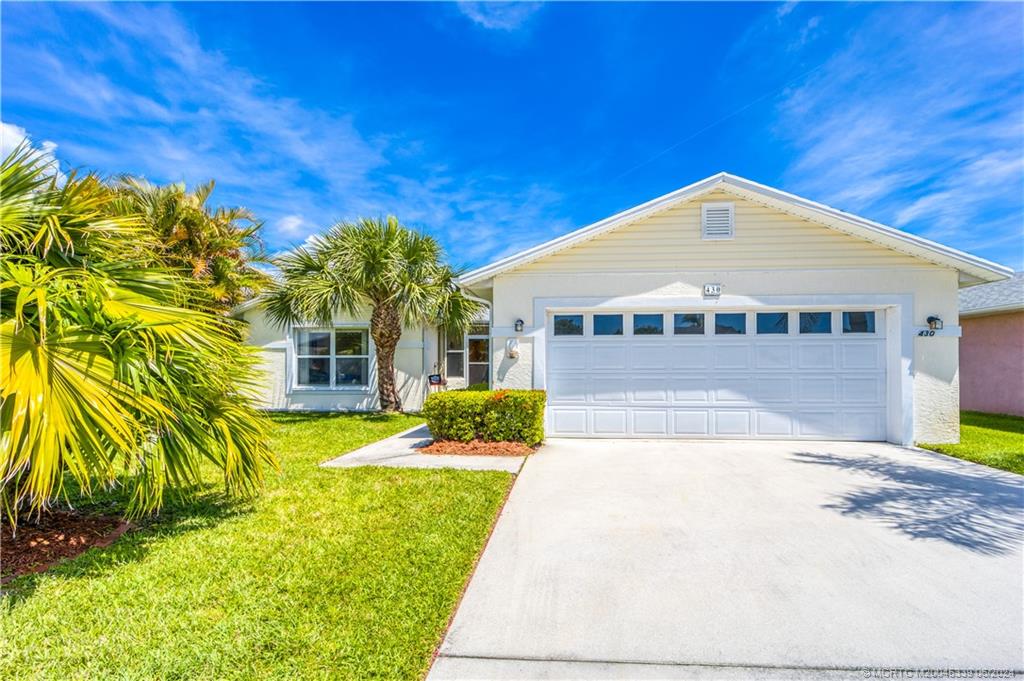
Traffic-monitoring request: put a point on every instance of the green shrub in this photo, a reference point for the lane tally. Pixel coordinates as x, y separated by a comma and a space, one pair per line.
478, 386
491, 415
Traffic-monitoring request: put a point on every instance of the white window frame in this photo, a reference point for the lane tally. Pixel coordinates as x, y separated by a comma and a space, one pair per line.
466, 363
332, 358
464, 351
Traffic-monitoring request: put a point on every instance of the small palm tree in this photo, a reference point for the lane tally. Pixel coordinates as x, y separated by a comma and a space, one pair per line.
108, 370
215, 246
378, 264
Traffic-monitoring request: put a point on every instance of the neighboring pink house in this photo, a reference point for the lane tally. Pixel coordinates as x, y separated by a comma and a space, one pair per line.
992, 347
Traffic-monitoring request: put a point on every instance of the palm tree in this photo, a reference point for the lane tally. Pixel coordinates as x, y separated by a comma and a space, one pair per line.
376, 264
215, 246
104, 371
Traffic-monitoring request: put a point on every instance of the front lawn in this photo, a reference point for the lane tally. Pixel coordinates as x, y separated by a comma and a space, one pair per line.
995, 440
331, 573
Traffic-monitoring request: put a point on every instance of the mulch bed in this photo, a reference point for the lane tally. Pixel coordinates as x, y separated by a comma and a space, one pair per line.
41, 543
478, 448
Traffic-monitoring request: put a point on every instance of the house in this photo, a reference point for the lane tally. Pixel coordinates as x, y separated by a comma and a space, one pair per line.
992, 347
725, 309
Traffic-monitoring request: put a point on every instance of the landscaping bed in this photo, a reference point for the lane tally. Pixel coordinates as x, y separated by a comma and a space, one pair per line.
478, 448
41, 542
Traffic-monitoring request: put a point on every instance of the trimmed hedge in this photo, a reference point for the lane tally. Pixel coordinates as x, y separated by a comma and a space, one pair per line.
489, 415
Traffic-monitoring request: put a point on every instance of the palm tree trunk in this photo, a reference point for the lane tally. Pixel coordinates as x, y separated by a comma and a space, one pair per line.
386, 330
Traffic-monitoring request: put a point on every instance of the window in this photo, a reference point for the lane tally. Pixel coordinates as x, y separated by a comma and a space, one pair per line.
716, 220
607, 325
686, 324
730, 323
478, 354
648, 324
568, 325
858, 322
469, 356
815, 322
772, 322
332, 358
455, 356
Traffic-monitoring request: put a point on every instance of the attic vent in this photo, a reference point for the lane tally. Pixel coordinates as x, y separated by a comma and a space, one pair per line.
716, 220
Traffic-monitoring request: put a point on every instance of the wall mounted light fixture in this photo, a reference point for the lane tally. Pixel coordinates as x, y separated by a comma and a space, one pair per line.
519, 326
934, 323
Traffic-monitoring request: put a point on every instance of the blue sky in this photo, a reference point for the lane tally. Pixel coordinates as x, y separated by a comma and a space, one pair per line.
495, 127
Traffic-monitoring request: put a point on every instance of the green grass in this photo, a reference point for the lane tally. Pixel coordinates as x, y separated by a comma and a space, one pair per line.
995, 440
329, 574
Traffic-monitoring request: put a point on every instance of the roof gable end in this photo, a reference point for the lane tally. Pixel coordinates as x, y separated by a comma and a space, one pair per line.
972, 268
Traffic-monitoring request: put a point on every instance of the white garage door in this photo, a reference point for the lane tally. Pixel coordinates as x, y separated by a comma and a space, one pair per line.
739, 374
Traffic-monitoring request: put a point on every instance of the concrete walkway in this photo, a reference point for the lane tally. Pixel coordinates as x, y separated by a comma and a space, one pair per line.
644, 559
400, 451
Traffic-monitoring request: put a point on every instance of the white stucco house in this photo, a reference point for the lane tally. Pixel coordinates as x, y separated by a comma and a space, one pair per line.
725, 309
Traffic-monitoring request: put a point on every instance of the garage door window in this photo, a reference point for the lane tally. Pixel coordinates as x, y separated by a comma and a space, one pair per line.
772, 322
607, 325
730, 323
648, 324
815, 322
688, 324
859, 322
568, 325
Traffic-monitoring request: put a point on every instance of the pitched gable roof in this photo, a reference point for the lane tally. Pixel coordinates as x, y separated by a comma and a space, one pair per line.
972, 268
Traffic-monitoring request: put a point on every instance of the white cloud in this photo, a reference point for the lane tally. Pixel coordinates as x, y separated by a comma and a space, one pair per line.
922, 128
12, 136
180, 111
501, 16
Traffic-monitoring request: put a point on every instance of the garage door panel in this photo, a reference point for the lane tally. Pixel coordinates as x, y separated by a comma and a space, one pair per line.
608, 357
861, 389
690, 422
816, 356
732, 390
781, 386
569, 356
650, 356
733, 423
773, 356
818, 389
609, 389
731, 356
690, 389
568, 421
773, 424
654, 389
610, 422
862, 355
569, 389
650, 422
817, 423
774, 389
690, 356
861, 425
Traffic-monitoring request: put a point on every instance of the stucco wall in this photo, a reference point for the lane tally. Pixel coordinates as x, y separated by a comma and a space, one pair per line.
934, 292
414, 359
992, 363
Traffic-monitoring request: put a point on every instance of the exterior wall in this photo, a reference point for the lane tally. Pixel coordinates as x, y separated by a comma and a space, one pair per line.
772, 254
414, 359
992, 363
764, 239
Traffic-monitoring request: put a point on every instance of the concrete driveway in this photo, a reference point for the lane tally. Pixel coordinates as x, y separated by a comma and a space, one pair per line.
670, 559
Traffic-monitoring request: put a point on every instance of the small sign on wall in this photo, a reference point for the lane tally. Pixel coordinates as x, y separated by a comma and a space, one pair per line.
712, 290
435, 379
